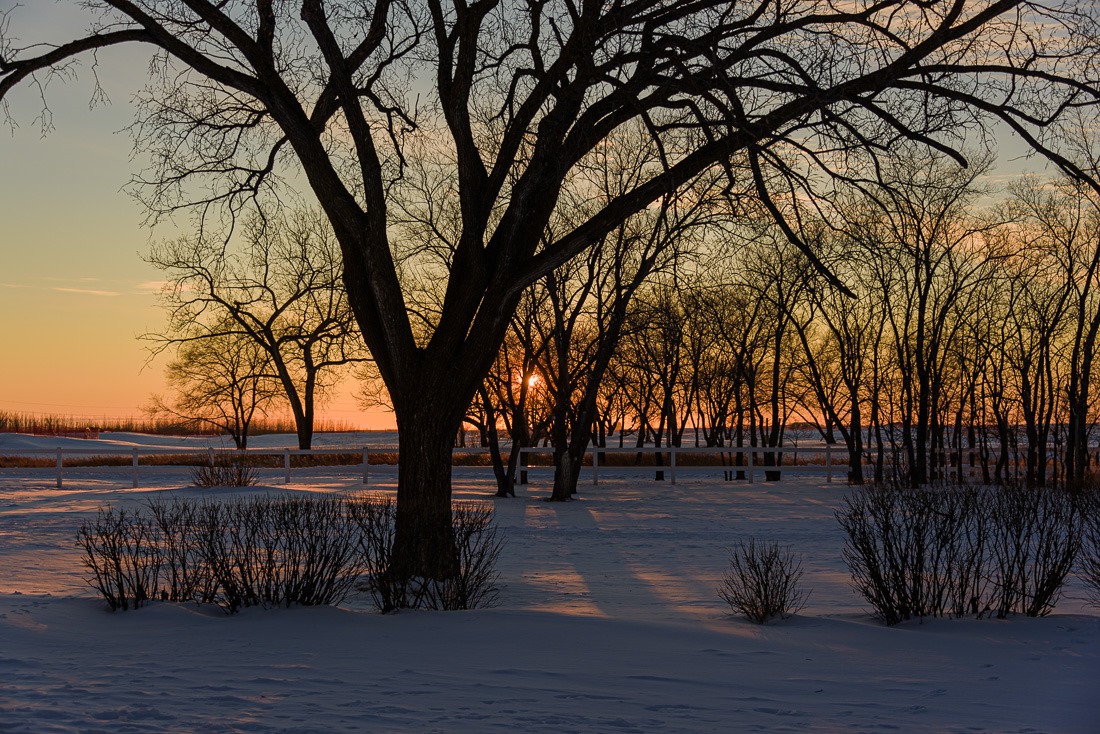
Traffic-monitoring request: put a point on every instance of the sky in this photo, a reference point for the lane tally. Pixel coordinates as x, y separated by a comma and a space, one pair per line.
74, 289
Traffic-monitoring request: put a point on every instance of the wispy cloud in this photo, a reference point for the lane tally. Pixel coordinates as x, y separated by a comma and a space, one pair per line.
64, 279
83, 286
151, 286
87, 292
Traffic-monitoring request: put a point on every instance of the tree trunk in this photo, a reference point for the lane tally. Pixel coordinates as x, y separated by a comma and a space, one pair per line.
855, 443
490, 438
301, 405
512, 471
305, 434
1003, 456
424, 540
1077, 440
567, 470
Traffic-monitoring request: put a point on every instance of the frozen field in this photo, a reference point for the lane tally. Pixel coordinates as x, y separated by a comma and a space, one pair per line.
609, 623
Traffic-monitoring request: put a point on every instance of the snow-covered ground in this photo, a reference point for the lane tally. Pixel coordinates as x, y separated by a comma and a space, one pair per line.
15, 444
609, 623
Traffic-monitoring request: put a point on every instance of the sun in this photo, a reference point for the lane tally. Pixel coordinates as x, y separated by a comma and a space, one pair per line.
532, 381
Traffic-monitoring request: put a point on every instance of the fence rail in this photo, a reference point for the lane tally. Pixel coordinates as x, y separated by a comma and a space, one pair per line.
749, 464
210, 453
597, 456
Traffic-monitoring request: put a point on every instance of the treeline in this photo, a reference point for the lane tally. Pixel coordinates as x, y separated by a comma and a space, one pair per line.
968, 334
44, 424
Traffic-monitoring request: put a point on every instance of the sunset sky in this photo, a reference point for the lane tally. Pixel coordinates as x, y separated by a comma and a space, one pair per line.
74, 290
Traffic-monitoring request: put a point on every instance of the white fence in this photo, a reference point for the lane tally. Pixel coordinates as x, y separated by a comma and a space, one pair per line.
749, 467
136, 467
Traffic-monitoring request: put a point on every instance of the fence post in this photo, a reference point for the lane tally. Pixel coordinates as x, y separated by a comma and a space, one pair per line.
828, 466
749, 454
135, 468
595, 465
672, 465
59, 467
286, 466
366, 462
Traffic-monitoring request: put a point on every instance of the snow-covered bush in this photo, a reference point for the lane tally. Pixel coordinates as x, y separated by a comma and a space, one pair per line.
955, 550
1036, 537
763, 581
476, 540
375, 517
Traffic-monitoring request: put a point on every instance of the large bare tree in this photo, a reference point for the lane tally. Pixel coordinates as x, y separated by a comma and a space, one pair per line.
247, 93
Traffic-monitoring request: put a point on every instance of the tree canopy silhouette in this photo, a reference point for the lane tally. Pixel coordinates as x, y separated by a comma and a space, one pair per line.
335, 95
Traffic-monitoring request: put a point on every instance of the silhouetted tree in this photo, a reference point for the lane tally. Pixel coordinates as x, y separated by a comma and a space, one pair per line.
283, 291
220, 381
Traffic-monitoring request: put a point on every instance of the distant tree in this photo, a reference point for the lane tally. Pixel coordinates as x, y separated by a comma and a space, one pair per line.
656, 345
221, 381
1058, 226
514, 394
282, 290
836, 335
588, 299
723, 325
929, 256
781, 276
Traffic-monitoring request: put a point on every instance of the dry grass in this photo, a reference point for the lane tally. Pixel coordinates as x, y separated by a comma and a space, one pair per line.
44, 424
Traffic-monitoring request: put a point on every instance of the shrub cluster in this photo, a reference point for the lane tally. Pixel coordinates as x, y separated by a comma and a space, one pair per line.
763, 581
276, 551
960, 550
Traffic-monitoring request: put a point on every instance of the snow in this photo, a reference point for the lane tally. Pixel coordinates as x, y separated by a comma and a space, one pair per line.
609, 622
14, 444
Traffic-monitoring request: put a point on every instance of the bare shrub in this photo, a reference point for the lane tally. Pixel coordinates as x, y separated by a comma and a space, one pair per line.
478, 545
763, 581
120, 550
269, 551
1089, 566
955, 550
248, 552
375, 516
183, 573
278, 551
226, 471
916, 552
1036, 535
